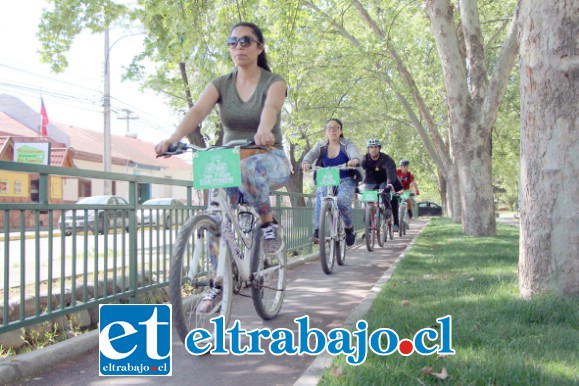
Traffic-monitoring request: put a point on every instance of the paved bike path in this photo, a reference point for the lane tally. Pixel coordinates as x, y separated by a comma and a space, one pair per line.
329, 300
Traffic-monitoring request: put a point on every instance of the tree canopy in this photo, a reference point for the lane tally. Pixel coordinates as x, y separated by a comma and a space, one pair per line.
359, 63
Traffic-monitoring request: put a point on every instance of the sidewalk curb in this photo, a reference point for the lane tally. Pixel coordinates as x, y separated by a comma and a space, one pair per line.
314, 373
28, 365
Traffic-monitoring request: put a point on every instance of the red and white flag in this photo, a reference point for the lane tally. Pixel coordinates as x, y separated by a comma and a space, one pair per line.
43, 118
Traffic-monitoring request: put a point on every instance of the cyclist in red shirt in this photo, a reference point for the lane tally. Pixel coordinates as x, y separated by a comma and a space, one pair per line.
408, 182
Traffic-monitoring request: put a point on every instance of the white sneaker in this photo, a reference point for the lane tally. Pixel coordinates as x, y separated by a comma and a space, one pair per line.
272, 239
211, 301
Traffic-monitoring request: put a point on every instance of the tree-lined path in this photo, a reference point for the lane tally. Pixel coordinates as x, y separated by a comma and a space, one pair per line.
327, 299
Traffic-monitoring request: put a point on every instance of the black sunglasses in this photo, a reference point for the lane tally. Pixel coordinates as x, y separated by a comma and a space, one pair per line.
245, 41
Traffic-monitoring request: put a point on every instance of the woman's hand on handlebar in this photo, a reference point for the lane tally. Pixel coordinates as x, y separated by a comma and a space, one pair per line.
163, 146
353, 163
264, 138
306, 167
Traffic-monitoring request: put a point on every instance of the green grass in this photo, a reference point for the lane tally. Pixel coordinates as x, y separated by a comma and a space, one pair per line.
499, 338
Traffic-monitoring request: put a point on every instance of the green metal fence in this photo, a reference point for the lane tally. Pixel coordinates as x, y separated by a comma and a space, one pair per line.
50, 274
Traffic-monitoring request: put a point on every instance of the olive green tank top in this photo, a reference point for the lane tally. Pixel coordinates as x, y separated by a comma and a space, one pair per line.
241, 119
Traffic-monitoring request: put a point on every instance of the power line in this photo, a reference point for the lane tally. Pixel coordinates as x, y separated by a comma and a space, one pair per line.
51, 78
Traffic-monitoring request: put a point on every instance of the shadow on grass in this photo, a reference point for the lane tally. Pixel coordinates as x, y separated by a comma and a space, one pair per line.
498, 337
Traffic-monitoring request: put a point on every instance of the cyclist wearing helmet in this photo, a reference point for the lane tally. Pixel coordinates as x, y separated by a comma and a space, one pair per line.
408, 181
380, 170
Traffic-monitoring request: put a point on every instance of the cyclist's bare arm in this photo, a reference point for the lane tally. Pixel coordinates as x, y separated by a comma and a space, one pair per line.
193, 118
414, 186
272, 107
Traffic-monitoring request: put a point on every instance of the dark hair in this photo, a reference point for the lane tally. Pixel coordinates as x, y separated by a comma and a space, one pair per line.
262, 58
339, 123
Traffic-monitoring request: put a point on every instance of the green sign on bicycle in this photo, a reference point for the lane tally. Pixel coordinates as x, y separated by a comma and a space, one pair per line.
328, 177
370, 196
216, 169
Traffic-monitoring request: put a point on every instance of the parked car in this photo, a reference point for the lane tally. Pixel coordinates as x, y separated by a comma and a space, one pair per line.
166, 214
113, 218
427, 208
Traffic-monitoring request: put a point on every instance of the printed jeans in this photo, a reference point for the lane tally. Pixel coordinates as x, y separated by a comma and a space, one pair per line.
260, 174
346, 191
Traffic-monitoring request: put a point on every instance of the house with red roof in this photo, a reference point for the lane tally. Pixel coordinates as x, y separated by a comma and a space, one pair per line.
80, 148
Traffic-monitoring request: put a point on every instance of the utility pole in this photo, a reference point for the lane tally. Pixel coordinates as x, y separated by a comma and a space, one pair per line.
128, 116
107, 159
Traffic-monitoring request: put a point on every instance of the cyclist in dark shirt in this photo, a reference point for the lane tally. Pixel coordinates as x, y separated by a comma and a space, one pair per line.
380, 170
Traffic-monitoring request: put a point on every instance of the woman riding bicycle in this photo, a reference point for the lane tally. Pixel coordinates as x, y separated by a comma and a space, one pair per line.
380, 169
334, 151
250, 100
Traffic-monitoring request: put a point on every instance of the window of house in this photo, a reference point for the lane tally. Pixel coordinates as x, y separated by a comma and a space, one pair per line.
34, 186
84, 188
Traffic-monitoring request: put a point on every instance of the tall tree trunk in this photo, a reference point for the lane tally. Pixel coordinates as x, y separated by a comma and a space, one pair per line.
473, 103
455, 203
549, 242
476, 185
443, 190
296, 179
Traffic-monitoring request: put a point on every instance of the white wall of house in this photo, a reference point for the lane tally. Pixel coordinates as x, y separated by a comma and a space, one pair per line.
70, 189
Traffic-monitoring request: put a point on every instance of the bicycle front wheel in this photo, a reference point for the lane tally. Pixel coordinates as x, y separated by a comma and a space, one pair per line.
269, 278
197, 295
381, 227
390, 227
402, 220
327, 242
340, 243
370, 227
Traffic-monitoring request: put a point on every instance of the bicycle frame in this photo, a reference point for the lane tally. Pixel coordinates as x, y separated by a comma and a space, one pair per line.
403, 212
331, 196
214, 276
404, 199
380, 199
227, 242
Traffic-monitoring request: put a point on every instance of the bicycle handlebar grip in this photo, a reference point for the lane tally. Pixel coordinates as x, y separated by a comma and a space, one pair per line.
175, 147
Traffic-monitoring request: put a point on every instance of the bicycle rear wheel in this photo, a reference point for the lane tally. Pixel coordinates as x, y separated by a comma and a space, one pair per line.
327, 243
269, 278
369, 220
192, 277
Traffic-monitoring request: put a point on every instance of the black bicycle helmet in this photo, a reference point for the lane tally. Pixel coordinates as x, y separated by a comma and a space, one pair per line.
404, 162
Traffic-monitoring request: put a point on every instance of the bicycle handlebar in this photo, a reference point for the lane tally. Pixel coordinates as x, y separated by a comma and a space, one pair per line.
382, 190
341, 167
182, 147
410, 194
